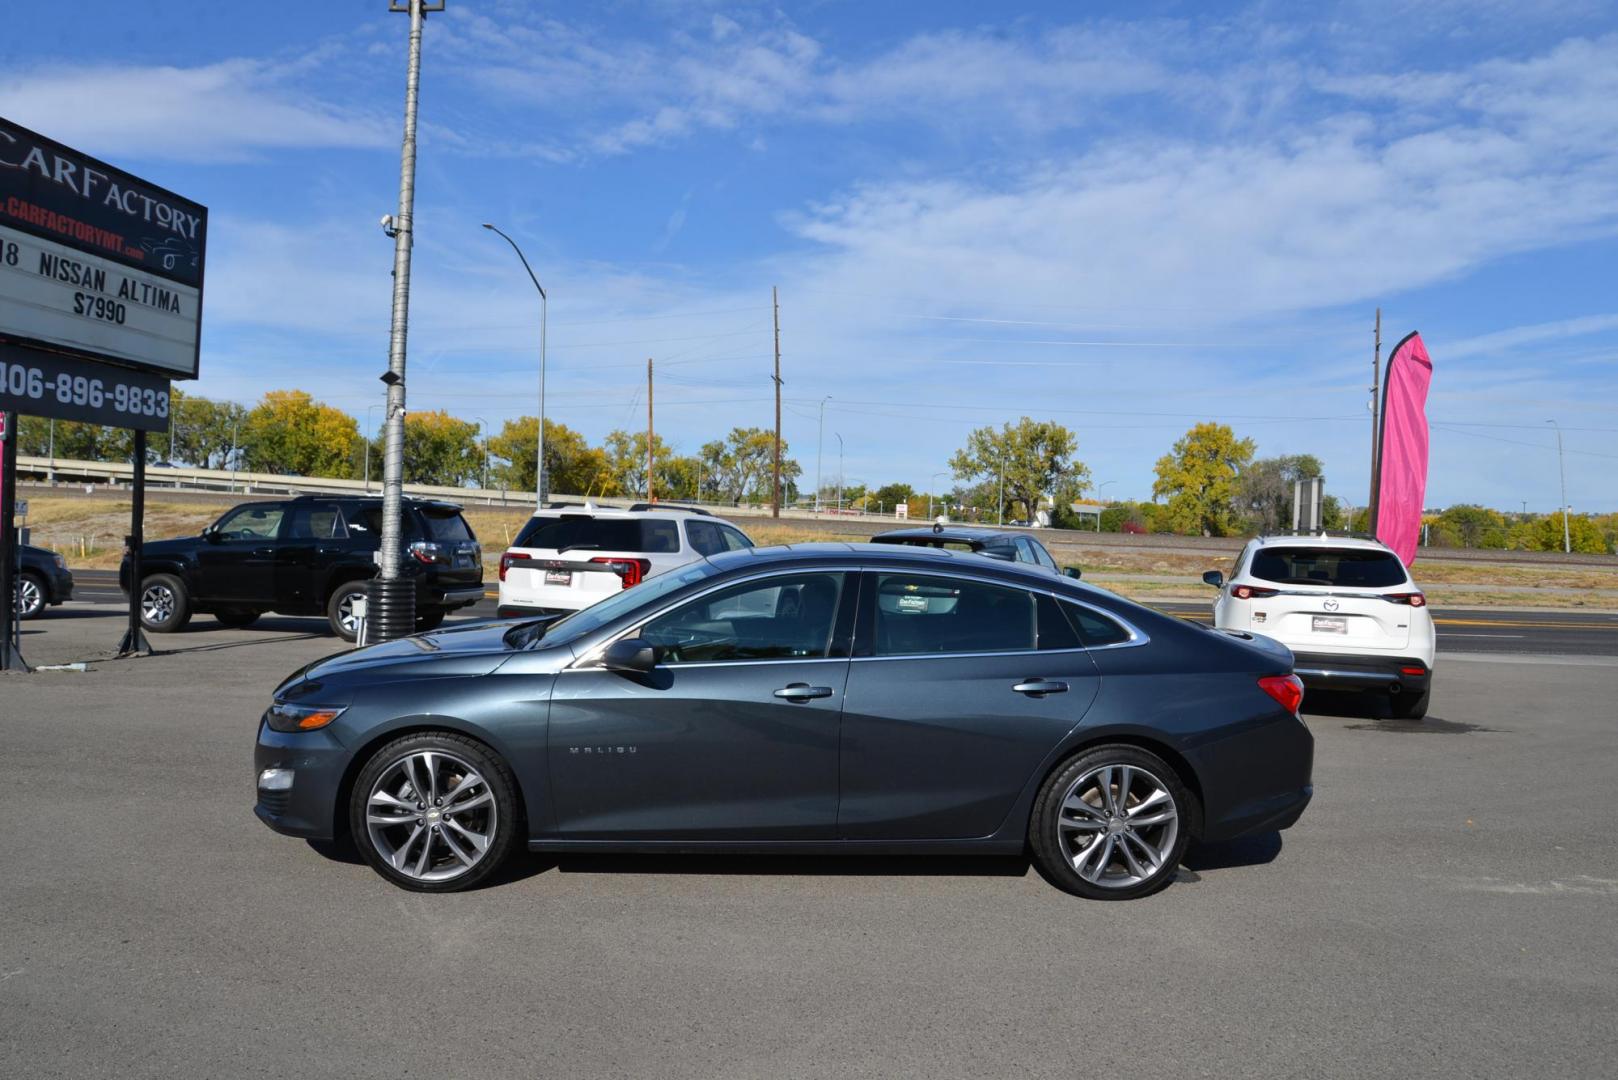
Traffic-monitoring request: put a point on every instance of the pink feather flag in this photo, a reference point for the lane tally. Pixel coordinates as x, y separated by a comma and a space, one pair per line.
1402, 466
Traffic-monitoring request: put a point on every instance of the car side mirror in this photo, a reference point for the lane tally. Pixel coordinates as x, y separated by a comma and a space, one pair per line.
631, 656
1072, 572
211, 534
1214, 577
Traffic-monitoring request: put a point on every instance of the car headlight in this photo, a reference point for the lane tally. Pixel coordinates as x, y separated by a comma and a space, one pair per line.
61, 563
287, 717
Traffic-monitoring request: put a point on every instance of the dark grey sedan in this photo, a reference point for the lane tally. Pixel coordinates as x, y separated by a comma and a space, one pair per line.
818, 698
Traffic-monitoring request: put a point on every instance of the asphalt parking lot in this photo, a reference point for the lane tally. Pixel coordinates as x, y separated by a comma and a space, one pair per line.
1447, 907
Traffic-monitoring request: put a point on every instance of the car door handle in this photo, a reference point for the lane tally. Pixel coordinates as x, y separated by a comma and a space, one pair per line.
260, 553
802, 692
1040, 687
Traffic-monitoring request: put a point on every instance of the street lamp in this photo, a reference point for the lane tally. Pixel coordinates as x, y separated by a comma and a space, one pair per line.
1099, 486
235, 455
839, 472
931, 481
368, 411
544, 305
483, 426
820, 440
1000, 515
1567, 535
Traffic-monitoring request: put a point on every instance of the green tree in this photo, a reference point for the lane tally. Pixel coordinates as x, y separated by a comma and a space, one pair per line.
572, 465
741, 467
1546, 534
626, 461
1199, 478
1034, 456
1265, 491
888, 496
290, 433
203, 429
1468, 525
74, 441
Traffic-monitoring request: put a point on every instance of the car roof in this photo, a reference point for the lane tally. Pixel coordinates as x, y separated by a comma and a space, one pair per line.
434, 504
1359, 543
855, 554
638, 510
948, 532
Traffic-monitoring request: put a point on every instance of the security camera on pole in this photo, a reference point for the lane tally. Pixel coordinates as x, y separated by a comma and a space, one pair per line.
391, 606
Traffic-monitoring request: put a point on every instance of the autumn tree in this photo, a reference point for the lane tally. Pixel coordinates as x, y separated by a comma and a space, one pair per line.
1200, 480
740, 467
572, 465
439, 449
1265, 489
626, 461
291, 433
1035, 457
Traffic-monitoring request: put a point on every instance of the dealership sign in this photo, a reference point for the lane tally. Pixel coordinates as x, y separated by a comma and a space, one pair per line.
100, 285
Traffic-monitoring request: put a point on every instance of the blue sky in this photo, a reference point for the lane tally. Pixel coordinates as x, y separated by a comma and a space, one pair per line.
1124, 217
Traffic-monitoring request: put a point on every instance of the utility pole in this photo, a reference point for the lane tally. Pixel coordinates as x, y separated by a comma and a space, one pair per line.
1000, 518
775, 305
651, 454
544, 314
391, 606
839, 471
820, 443
1376, 431
1561, 469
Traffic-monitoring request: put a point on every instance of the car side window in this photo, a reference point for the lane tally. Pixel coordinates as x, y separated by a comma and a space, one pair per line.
317, 521
1095, 629
1041, 555
1025, 550
251, 523
918, 614
734, 539
704, 537
1055, 631
790, 617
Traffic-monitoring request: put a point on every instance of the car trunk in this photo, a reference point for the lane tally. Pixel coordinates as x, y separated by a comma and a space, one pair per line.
1332, 598
573, 560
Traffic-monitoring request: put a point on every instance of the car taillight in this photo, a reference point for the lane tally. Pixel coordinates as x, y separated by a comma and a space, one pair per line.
631, 571
425, 552
1414, 599
1251, 592
1287, 690
506, 560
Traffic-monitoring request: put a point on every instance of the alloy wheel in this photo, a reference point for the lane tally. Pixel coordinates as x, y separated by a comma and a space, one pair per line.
29, 597
431, 816
1117, 825
157, 603
345, 613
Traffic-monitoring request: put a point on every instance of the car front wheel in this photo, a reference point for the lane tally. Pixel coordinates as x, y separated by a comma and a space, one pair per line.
1111, 824
30, 596
340, 609
434, 812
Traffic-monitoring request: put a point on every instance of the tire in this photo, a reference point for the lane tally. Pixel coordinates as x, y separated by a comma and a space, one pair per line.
430, 620
237, 618
1411, 706
164, 606
31, 595
339, 613
414, 843
1116, 862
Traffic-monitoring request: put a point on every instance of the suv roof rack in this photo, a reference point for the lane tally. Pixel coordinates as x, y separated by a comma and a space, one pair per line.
643, 506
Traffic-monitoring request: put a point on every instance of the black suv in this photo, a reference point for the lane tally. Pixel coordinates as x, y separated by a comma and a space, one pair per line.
42, 579
306, 556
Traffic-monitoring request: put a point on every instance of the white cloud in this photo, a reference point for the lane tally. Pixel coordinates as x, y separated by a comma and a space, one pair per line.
216, 112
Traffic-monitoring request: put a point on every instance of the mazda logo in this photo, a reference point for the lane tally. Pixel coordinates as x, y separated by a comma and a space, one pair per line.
1331, 605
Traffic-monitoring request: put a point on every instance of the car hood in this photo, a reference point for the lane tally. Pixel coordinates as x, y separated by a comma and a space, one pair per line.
179, 545
475, 649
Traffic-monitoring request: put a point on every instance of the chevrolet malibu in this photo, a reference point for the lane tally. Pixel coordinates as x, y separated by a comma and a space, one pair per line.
815, 698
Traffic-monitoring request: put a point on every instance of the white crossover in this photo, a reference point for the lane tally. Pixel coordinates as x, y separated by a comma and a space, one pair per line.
1346, 607
569, 556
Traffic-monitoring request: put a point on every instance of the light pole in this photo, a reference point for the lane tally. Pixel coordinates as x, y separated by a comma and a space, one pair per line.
235, 421
1561, 469
1000, 515
368, 411
1099, 486
483, 426
931, 480
544, 306
820, 440
839, 472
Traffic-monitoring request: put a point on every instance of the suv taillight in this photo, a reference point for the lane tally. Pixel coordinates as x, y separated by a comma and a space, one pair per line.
1251, 592
1414, 599
506, 560
429, 553
1287, 690
631, 571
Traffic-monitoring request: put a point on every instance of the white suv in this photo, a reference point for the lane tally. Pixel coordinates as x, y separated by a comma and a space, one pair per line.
1347, 609
569, 556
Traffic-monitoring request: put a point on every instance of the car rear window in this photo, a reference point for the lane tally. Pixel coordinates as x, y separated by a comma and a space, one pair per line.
446, 526
605, 534
1354, 568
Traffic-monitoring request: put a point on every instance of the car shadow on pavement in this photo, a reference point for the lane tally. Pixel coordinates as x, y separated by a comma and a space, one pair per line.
1255, 850
859, 865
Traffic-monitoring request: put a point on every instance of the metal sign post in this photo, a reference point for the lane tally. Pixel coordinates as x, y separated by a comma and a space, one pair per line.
10, 623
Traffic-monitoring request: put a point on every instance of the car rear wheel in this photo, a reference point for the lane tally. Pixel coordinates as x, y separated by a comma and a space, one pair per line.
435, 812
164, 606
236, 618
30, 595
340, 609
1411, 706
1111, 824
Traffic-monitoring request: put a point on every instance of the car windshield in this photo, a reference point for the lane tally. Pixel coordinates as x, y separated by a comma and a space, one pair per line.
446, 525
587, 620
1351, 568
638, 535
